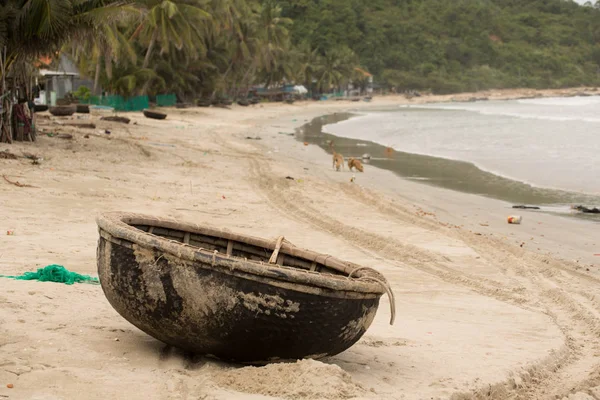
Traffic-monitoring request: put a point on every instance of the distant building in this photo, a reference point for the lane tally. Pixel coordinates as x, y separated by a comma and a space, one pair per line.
55, 84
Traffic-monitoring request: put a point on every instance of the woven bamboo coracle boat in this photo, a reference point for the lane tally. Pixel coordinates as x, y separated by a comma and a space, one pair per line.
63, 111
115, 118
154, 114
82, 108
230, 296
203, 102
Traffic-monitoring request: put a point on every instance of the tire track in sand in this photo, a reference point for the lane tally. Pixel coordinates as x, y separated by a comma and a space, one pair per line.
573, 366
565, 293
534, 274
372, 243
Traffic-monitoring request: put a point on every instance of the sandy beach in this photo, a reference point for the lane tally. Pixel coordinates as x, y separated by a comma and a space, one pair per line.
484, 309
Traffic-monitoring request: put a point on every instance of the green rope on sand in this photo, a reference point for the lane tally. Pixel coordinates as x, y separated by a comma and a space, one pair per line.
55, 273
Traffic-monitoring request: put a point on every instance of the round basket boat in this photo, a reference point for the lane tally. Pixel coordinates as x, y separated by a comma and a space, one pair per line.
233, 297
82, 108
63, 111
154, 114
116, 118
222, 102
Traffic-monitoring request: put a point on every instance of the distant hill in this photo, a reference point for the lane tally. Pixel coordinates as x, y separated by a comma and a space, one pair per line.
458, 45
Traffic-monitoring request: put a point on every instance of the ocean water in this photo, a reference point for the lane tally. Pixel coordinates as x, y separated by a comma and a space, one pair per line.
540, 152
549, 143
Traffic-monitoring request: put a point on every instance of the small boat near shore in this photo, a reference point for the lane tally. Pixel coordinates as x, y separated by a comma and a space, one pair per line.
82, 108
203, 102
154, 114
116, 118
230, 296
63, 111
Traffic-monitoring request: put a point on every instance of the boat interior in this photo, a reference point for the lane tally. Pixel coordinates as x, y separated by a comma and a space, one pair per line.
237, 248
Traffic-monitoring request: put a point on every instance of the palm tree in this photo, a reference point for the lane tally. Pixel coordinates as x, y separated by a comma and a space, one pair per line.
334, 67
106, 44
172, 23
274, 37
8, 16
307, 64
183, 75
130, 79
30, 28
230, 40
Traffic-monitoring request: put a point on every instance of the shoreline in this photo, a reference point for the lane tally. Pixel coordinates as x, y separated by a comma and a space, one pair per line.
504, 94
477, 301
463, 176
394, 185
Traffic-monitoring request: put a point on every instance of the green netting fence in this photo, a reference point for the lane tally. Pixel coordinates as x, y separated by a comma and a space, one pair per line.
119, 103
166, 100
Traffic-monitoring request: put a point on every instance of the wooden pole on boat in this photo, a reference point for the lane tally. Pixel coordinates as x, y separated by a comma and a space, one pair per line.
273, 258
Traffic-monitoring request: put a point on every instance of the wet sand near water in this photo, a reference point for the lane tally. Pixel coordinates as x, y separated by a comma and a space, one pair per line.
445, 173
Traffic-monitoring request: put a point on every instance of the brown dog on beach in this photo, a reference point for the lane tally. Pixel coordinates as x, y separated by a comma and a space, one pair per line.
354, 163
338, 159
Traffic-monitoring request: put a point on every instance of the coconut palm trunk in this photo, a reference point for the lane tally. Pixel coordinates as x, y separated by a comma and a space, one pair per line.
4, 127
150, 48
108, 66
147, 59
97, 77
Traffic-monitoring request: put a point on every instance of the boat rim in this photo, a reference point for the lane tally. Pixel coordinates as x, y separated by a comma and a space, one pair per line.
119, 225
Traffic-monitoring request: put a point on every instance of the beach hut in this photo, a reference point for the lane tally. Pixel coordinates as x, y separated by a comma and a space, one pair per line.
55, 83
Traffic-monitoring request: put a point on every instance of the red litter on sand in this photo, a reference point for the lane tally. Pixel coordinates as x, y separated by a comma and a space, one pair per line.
514, 219
10, 232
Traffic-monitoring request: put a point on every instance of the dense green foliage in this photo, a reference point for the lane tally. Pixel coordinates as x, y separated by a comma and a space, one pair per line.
458, 45
199, 48
194, 48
